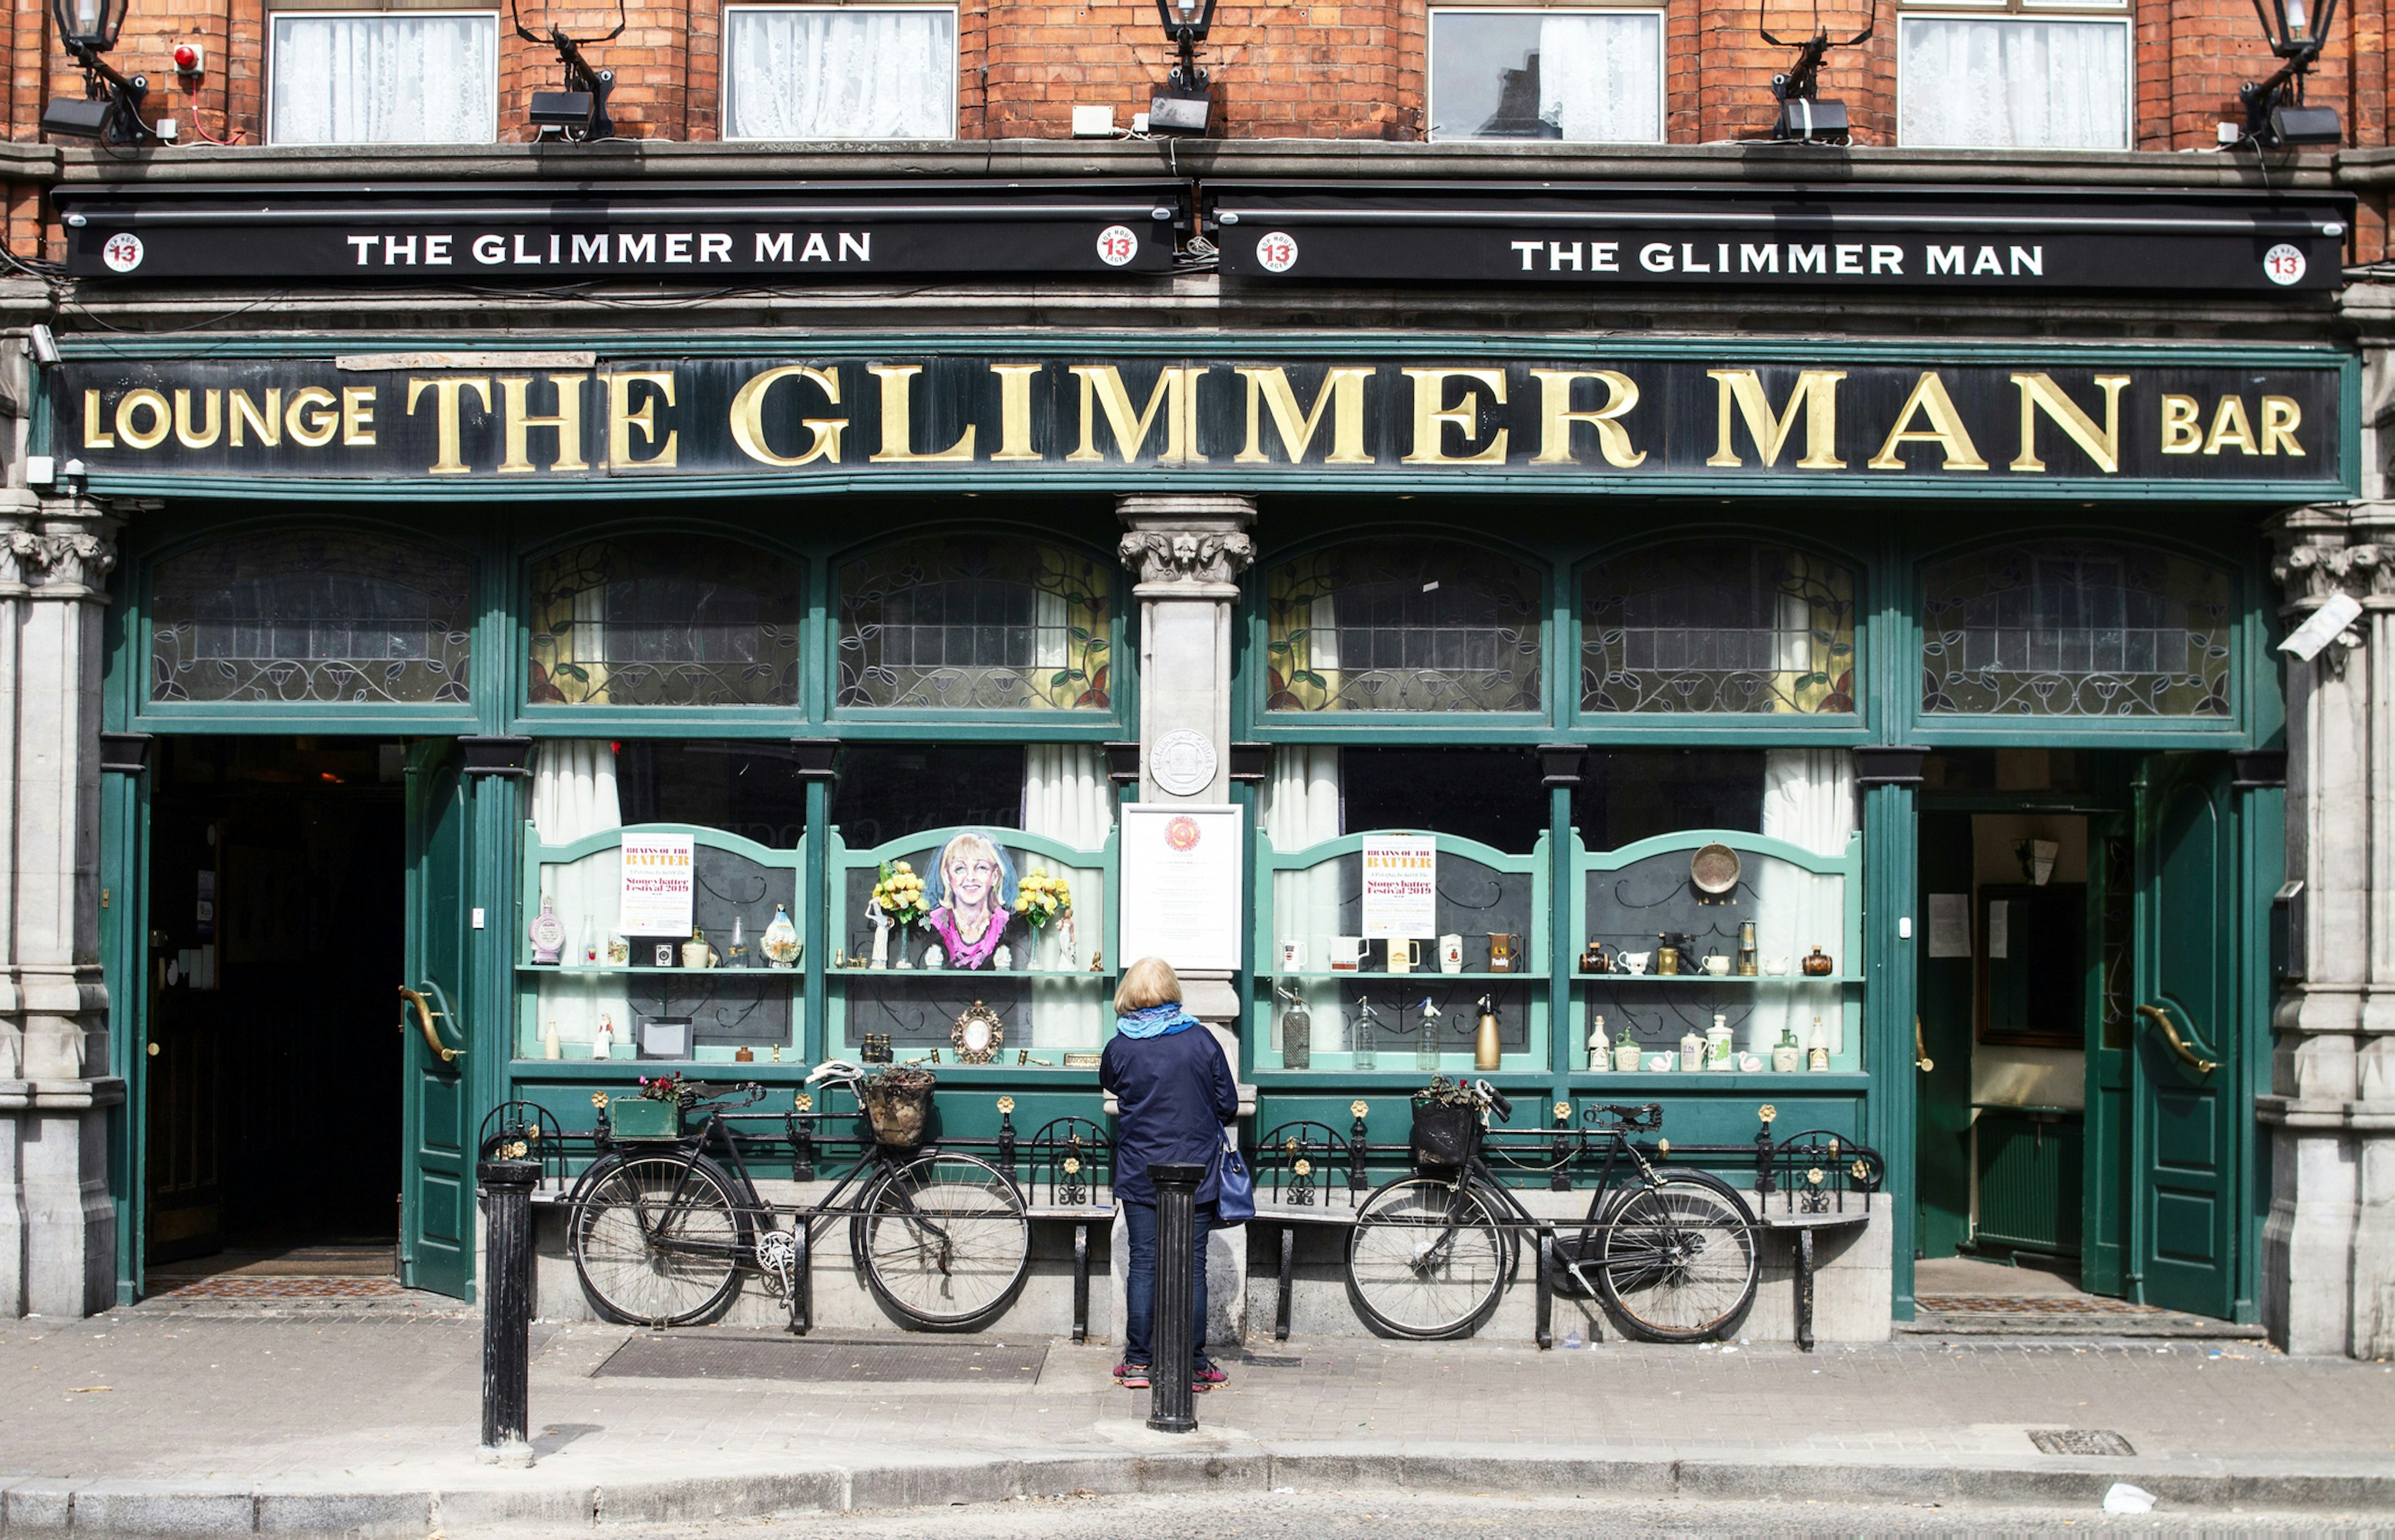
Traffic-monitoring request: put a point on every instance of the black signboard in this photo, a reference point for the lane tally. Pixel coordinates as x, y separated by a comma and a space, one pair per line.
1783, 236
487, 231
1418, 411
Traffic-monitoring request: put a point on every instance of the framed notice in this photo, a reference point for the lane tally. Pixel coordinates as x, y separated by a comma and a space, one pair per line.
1183, 885
658, 873
1400, 886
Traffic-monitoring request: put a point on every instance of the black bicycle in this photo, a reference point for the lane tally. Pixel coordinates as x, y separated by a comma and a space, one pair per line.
1670, 1251
662, 1231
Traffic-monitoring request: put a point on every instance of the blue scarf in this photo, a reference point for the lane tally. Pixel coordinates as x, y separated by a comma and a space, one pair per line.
1156, 1021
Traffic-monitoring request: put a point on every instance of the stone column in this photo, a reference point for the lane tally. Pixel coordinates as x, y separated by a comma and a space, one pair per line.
57, 1219
2328, 1244
1188, 549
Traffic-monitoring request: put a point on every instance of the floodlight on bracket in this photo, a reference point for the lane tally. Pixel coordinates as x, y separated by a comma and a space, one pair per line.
110, 108
2275, 112
1804, 118
579, 112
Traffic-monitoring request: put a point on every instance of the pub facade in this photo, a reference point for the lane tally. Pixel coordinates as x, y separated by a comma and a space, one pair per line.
1825, 624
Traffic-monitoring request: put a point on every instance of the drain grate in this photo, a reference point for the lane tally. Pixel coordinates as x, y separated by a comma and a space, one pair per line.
678, 1357
2079, 1440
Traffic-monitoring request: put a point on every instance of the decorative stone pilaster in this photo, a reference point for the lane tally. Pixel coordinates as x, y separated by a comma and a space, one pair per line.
2328, 1243
58, 1220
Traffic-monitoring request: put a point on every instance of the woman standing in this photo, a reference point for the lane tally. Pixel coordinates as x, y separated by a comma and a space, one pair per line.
1175, 1094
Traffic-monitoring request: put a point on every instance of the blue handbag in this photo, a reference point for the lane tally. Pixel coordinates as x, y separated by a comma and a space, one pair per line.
1235, 1194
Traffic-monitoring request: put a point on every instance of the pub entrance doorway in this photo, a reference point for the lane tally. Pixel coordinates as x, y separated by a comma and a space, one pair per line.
272, 1113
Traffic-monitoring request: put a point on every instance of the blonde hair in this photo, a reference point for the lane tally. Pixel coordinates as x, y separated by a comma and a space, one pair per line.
1149, 982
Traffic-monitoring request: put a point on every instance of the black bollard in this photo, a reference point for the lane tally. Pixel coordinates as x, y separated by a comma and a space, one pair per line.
506, 1309
1173, 1404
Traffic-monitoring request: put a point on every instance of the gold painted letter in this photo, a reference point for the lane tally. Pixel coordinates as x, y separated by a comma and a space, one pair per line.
312, 419
516, 390
95, 436
444, 398
2040, 393
622, 419
2230, 427
1433, 416
1175, 397
748, 418
898, 418
1555, 417
1815, 396
1014, 411
357, 414
1341, 396
212, 421
2281, 418
1945, 429
2182, 434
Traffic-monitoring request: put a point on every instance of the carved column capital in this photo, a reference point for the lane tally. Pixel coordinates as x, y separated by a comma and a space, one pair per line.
1189, 546
65, 550
2318, 555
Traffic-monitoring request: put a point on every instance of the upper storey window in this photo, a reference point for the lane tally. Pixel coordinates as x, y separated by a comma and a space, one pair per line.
374, 77
839, 72
2026, 80
1594, 76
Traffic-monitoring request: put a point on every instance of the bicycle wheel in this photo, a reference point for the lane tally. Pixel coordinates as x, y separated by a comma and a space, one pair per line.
943, 1242
657, 1238
1426, 1260
1676, 1260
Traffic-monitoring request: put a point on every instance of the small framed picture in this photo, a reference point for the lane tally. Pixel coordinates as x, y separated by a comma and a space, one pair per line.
665, 1037
665, 954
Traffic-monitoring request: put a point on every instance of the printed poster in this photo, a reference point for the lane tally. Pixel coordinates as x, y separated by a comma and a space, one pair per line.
1183, 888
1400, 886
658, 881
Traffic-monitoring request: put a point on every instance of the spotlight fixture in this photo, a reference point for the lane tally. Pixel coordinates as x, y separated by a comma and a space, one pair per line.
2275, 114
1181, 105
110, 108
1804, 118
578, 113
45, 343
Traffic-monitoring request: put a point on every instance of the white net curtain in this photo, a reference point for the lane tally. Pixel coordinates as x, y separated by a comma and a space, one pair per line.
1303, 807
793, 73
1808, 799
573, 796
1993, 83
1067, 795
408, 77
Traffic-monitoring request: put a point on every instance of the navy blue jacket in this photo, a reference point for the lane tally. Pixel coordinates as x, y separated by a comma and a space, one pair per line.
1176, 1093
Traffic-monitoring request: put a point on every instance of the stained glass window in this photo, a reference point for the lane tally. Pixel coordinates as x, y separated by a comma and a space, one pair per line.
666, 620
970, 623
310, 615
1402, 624
1717, 625
2076, 627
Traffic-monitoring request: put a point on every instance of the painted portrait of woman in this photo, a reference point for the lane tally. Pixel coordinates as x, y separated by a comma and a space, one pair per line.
973, 901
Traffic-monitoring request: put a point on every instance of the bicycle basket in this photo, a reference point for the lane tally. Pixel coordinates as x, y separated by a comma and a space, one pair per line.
899, 1104
635, 1118
1445, 1136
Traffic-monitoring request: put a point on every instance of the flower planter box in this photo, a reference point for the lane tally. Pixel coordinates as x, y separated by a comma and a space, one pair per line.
641, 1118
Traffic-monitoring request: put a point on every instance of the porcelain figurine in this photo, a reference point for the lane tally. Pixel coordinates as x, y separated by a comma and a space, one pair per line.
780, 942
602, 1042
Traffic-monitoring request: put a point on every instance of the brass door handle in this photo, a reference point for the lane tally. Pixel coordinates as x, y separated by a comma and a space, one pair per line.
2194, 1060
1921, 1059
424, 1020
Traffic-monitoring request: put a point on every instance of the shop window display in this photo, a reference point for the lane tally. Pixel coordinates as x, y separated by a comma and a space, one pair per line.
310, 615
1718, 625
666, 620
1403, 624
971, 623
2076, 627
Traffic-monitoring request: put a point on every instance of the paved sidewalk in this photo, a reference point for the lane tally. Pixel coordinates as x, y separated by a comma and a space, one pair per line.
194, 1420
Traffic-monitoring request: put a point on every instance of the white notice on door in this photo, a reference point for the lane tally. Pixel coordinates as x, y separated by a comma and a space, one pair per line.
1999, 927
657, 885
1949, 925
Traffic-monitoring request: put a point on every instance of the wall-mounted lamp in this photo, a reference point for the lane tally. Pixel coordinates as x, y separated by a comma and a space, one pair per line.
1182, 104
1804, 118
578, 113
2275, 114
109, 107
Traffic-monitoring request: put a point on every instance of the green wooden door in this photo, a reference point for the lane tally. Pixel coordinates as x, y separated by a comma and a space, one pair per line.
1942, 1044
2183, 1089
2111, 903
437, 1192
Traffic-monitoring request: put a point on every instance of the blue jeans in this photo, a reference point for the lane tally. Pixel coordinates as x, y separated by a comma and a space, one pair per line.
1139, 1289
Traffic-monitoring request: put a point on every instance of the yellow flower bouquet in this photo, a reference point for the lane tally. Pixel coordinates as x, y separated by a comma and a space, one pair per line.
1039, 897
898, 893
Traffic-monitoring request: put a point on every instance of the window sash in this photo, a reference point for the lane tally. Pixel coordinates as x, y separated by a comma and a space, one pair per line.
384, 77
839, 72
1607, 89
2010, 82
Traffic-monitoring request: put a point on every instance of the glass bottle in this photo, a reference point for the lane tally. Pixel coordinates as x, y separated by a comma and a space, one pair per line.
546, 932
587, 951
1296, 1031
1363, 1052
1600, 1052
551, 1046
1427, 1045
1692, 1051
737, 955
1817, 1048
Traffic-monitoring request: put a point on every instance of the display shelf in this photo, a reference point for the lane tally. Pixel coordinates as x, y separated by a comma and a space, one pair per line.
1720, 1080
1420, 974
1083, 975
557, 970
1716, 978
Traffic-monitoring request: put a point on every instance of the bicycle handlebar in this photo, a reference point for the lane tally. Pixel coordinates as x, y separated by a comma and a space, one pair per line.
835, 1070
1494, 1100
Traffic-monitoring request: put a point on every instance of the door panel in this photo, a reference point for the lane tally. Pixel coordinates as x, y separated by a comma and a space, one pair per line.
2188, 969
2112, 905
1943, 1145
436, 1202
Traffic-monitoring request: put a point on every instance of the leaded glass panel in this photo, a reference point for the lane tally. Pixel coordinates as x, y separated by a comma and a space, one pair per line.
968, 623
313, 616
666, 620
1717, 625
1402, 625
2076, 627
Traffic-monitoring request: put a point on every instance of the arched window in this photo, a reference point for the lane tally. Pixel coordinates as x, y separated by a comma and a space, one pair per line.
666, 620
1717, 625
966, 622
1402, 624
310, 615
2076, 627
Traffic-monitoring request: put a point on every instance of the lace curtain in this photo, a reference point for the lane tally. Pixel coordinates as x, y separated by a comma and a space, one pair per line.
1988, 85
1302, 807
1601, 77
847, 73
1808, 799
1067, 795
384, 79
574, 795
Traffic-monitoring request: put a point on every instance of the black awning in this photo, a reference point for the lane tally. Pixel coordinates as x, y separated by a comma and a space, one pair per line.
1788, 235
487, 230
